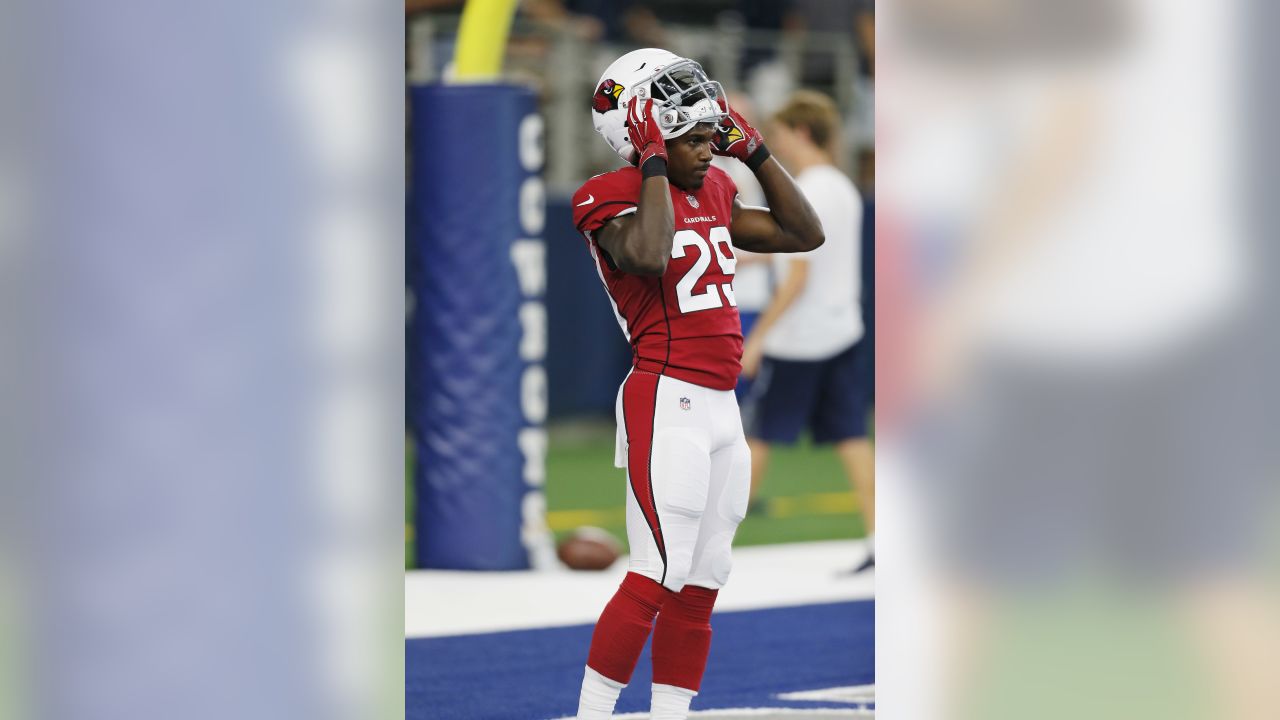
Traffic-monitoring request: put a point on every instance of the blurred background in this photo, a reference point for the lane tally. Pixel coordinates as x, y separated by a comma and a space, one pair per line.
201, 243
761, 52
1078, 504
759, 49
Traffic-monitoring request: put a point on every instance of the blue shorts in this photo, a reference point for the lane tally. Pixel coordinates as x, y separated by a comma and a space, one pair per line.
831, 398
748, 318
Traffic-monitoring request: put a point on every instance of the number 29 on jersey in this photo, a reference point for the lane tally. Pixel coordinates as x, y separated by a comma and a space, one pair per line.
711, 296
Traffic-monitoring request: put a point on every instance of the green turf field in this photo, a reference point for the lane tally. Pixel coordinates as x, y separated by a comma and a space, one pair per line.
804, 497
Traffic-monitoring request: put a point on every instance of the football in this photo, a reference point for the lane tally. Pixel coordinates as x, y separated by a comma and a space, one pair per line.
589, 548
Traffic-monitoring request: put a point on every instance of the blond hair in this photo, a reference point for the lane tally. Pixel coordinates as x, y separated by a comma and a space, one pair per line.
816, 113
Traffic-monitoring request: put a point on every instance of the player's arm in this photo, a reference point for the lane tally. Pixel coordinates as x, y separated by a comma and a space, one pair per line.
790, 224
640, 243
784, 296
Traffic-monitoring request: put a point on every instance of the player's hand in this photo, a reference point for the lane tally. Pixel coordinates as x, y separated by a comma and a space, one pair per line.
646, 134
734, 136
752, 355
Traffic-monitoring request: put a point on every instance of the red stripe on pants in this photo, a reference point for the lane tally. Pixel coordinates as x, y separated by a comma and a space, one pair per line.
639, 405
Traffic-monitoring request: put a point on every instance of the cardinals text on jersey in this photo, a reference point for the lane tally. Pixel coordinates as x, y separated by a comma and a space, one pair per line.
684, 323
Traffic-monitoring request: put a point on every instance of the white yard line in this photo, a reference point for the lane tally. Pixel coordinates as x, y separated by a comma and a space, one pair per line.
439, 603
851, 694
763, 714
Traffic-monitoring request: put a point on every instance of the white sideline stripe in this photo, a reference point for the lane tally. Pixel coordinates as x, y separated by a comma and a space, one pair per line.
763, 714
855, 693
448, 602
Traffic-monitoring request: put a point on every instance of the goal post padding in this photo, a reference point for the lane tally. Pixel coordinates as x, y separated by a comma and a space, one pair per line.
476, 329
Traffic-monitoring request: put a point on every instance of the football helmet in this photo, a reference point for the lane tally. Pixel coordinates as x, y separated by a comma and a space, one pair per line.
682, 95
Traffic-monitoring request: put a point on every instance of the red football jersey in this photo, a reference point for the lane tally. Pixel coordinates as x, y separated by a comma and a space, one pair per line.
684, 323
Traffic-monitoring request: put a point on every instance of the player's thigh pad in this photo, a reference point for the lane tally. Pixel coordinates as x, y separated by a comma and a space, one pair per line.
727, 506
681, 476
681, 469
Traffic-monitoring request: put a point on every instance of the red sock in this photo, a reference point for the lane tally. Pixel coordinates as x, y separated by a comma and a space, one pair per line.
682, 638
624, 626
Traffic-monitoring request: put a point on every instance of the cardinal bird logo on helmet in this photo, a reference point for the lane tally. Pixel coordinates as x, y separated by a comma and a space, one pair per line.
606, 97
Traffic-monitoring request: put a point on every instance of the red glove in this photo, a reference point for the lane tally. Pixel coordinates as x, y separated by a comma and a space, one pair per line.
646, 134
735, 137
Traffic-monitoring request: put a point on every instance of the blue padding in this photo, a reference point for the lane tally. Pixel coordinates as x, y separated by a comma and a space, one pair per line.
462, 344
535, 674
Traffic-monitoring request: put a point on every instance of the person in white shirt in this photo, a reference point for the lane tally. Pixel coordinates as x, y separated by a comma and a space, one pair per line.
751, 277
804, 352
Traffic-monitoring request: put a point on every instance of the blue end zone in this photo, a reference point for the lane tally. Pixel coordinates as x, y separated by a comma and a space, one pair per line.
535, 674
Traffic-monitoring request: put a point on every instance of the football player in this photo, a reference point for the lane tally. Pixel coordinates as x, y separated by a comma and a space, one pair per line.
662, 233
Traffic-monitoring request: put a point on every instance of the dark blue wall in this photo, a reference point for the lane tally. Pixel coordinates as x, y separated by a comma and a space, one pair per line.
587, 356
